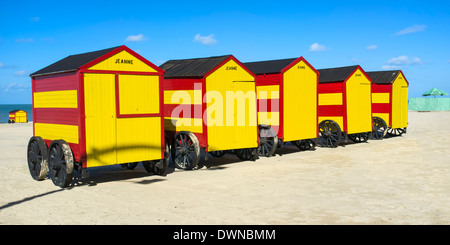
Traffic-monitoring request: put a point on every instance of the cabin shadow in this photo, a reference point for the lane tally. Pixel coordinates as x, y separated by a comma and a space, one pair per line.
217, 163
390, 136
290, 148
113, 173
27, 199
116, 172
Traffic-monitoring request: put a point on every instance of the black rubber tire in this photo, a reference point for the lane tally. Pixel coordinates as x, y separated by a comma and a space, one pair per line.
268, 141
395, 131
37, 158
130, 165
305, 145
158, 167
359, 137
330, 133
217, 153
185, 150
60, 163
247, 154
379, 128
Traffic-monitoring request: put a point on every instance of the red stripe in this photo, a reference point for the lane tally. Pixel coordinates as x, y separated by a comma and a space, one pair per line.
268, 105
180, 84
145, 73
182, 111
330, 111
74, 147
56, 83
381, 88
66, 116
330, 87
270, 79
381, 108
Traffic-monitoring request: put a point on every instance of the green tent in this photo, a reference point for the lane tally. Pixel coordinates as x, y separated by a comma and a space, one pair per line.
435, 92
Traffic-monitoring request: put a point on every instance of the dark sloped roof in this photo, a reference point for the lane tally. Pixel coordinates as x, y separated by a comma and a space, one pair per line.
72, 62
385, 77
269, 66
191, 67
14, 111
337, 74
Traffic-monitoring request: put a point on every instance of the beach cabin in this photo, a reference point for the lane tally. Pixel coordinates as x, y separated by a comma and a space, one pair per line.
389, 102
287, 103
209, 104
17, 116
344, 108
96, 109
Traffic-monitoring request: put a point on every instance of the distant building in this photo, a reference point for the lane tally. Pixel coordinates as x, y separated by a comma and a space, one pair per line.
17, 116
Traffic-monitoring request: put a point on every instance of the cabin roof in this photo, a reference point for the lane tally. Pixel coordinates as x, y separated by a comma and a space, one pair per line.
72, 62
191, 68
383, 77
337, 74
269, 66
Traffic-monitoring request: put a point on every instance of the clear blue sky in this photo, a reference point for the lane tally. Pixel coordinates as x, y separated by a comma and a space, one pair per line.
410, 35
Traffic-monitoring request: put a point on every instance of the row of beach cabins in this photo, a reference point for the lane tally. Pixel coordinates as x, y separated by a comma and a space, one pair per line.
113, 106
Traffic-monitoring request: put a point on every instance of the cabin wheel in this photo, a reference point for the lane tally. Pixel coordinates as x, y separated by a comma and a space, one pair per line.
158, 167
379, 128
395, 131
130, 165
247, 154
37, 158
359, 137
330, 133
268, 141
185, 150
305, 145
217, 153
60, 163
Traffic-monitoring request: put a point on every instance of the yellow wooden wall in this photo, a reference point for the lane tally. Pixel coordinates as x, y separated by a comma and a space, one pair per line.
100, 110
232, 120
138, 94
381, 98
133, 137
332, 99
399, 102
359, 106
56, 99
122, 61
183, 97
300, 102
268, 92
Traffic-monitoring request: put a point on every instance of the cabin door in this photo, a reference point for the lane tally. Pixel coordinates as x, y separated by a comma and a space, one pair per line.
100, 113
120, 122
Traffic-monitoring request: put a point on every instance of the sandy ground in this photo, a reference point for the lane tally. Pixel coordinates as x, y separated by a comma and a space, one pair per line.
401, 180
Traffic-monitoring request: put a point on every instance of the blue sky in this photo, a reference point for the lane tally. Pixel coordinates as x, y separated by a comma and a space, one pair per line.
410, 35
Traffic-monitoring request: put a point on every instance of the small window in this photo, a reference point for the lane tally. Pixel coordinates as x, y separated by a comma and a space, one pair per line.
138, 95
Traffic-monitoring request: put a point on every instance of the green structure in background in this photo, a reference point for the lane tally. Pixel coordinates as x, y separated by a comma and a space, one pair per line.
430, 104
434, 92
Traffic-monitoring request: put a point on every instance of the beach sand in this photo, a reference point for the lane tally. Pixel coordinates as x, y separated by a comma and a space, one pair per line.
399, 180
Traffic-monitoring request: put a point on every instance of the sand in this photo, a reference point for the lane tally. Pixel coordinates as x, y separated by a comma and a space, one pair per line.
400, 180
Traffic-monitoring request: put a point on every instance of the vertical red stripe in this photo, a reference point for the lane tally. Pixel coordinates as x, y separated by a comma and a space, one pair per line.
161, 103
281, 103
82, 129
33, 89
